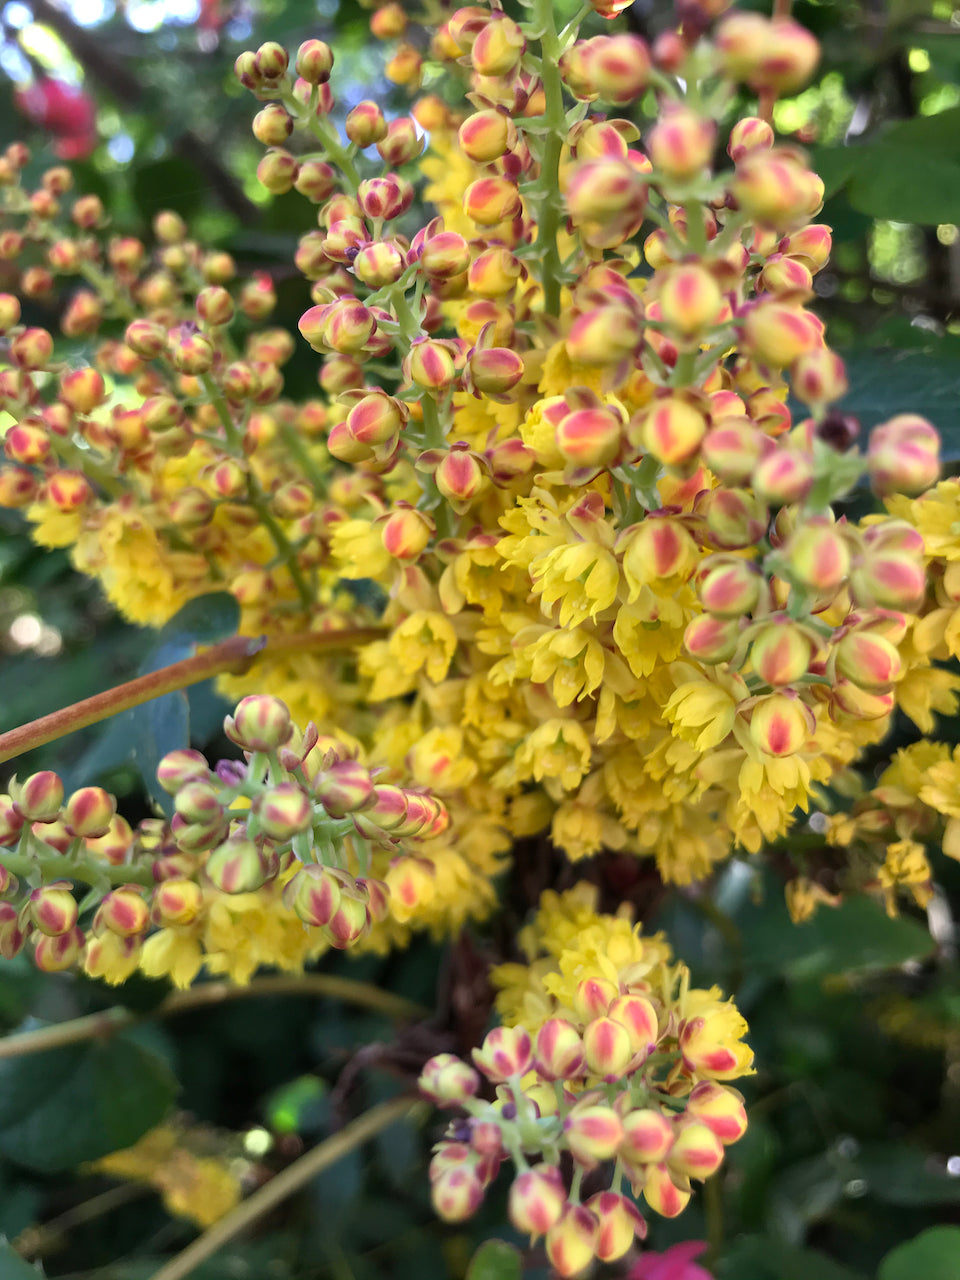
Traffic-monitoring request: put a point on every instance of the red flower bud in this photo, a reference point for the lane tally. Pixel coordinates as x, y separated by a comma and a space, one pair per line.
53, 908
647, 1136
237, 866
593, 1132
559, 1050
491, 200
313, 894
176, 902
781, 652
9, 311
505, 1052
537, 1200
607, 1048
39, 797
819, 555
690, 300
780, 724
447, 1081
498, 47
749, 134
710, 639
402, 142
31, 349
365, 124
487, 135
572, 1242
868, 660
272, 125
284, 809
720, 1108
618, 67
904, 455
271, 62
57, 954
89, 812
672, 429
680, 145
123, 912
697, 1152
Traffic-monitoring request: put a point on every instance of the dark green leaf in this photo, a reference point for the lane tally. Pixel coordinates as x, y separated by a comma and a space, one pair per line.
767, 1258
169, 184
61, 1108
888, 381
495, 1260
906, 186
932, 1255
906, 1175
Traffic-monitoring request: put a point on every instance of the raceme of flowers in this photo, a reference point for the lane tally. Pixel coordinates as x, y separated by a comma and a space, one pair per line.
553, 462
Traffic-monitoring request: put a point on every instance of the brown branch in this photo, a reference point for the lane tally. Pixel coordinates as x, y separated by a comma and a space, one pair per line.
234, 655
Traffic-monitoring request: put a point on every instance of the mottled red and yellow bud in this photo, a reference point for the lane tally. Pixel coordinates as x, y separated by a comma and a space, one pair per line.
114, 845
775, 189
680, 144
445, 255
64, 255
639, 1017
401, 143
123, 912
352, 919
730, 588
53, 909
348, 326
18, 487
559, 1053
494, 273
788, 279
661, 1192
147, 339
198, 802
593, 998
313, 894
741, 41
272, 61
9, 311
690, 300
36, 282
89, 811
406, 534
889, 580
572, 1242
784, 476
39, 797
236, 866
495, 371
781, 652
379, 264
697, 1151
601, 190
412, 885
456, 1194
365, 124
604, 335
590, 437
818, 555
191, 353
621, 1223
31, 349
810, 244
618, 67
781, 725
460, 477
672, 430
389, 807
505, 1052
314, 62
608, 1048
448, 1081
537, 1200
868, 660
593, 1132
272, 125
177, 768
176, 901
497, 47
749, 134
712, 640
11, 821
388, 22
733, 448
376, 420
487, 135
60, 953
491, 200
405, 67
790, 56
647, 1136
385, 197
344, 787
257, 297
430, 365
12, 933
720, 1108
377, 897
903, 455
819, 377
54, 834
283, 810
776, 333
27, 443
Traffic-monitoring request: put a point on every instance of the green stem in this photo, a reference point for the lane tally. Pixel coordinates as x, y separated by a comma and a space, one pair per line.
53, 865
550, 210
304, 459
329, 986
283, 1185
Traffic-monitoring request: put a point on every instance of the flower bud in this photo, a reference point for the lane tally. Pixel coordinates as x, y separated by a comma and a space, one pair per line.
749, 134
638, 1015
272, 125
491, 200
672, 429
680, 145
18, 487
603, 336
123, 912
39, 797
177, 768
314, 62
456, 1194
351, 920
618, 67
697, 1151
430, 365
313, 894
445, 255
784, 476
236, 866
27, 444
780, 724
487, 135
593, 1132
593, 998
59, 953
344, 788
53, 908
191, 353
818, 555
9, 311
198, 802
447, 1081
781, 653
11, 821
505, 1052
607, 1048
572, 1242
620, 1224
647, 1136
495, 371
712, 640
12, 934
114, 845
176, 902
690, 300
720, 1108
460, 477
868, 660
559, 1050
537, 1200
904, 455
730, 589
498, 47
662, 1193
401, 143
89, 812
365, 124
284, 809
775, 189
31, 349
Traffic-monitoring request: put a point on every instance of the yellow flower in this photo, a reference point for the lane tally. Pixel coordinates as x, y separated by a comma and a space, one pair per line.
357, 546
701, 711
173, 953
557, 750
905, 865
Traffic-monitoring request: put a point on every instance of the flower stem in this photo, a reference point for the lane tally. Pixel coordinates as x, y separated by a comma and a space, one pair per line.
549, 213
233, 655
283, 1185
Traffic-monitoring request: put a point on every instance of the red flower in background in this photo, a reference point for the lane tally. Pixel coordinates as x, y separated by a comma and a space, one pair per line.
64, 110
675, 1263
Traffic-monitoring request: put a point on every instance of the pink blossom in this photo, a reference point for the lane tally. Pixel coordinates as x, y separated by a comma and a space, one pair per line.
675, 1263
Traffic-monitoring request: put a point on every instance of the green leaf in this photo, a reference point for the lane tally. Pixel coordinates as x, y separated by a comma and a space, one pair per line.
13, 1267
61, 1108
495, 1260
922, 380
932, 1255
906, 186
767, 1258
904, 1175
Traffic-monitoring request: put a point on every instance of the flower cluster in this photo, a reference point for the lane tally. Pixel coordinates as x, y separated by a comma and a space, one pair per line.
608, 1055
269, 860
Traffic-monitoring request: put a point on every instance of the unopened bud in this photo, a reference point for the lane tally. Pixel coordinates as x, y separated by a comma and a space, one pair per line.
53, 909
505, 1052
559, 1050
90, 811
572, 1242
39, 797
537, 1200
259, 723
447, 1081
592, 1132
904, 455
284, 810
780, 724
491, 200
365, 124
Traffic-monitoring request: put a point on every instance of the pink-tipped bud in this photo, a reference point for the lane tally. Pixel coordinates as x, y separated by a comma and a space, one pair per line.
313, 894
12, 934
314, 62
365, 124
31, 349
401, 143
284, 810
177, 768
819, 377
729, 589
53, 909
712, 640
68, 490
672, 429
258, 723
784, 476
868, 660
572, 1242
456, 1194
697, 1152
123, 912
460, 477
621, 1223
406, 534
607, 1048
430, 365
593, 998
749, 134
498, 47
661, 1192
690, 300
11, 821
177, 901
593, 1132
272, 125
776, 333
559, 1051
781, 653
344, 788
487, 135
445, 255
734, 518
39, 797
448, 1081
60, 953
351, 920
9, 311
681, 143
590, 437
618, 67
491, 200
537, 1200
733, 448
505, 1052
781, 724
647, 1136
904, 455
603, 336
198, 802
639, 1017
818, 555
89, 812
495, 371
720, 1108
236, 866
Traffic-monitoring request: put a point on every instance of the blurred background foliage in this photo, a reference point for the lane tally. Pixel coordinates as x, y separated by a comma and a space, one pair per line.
851, 1167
